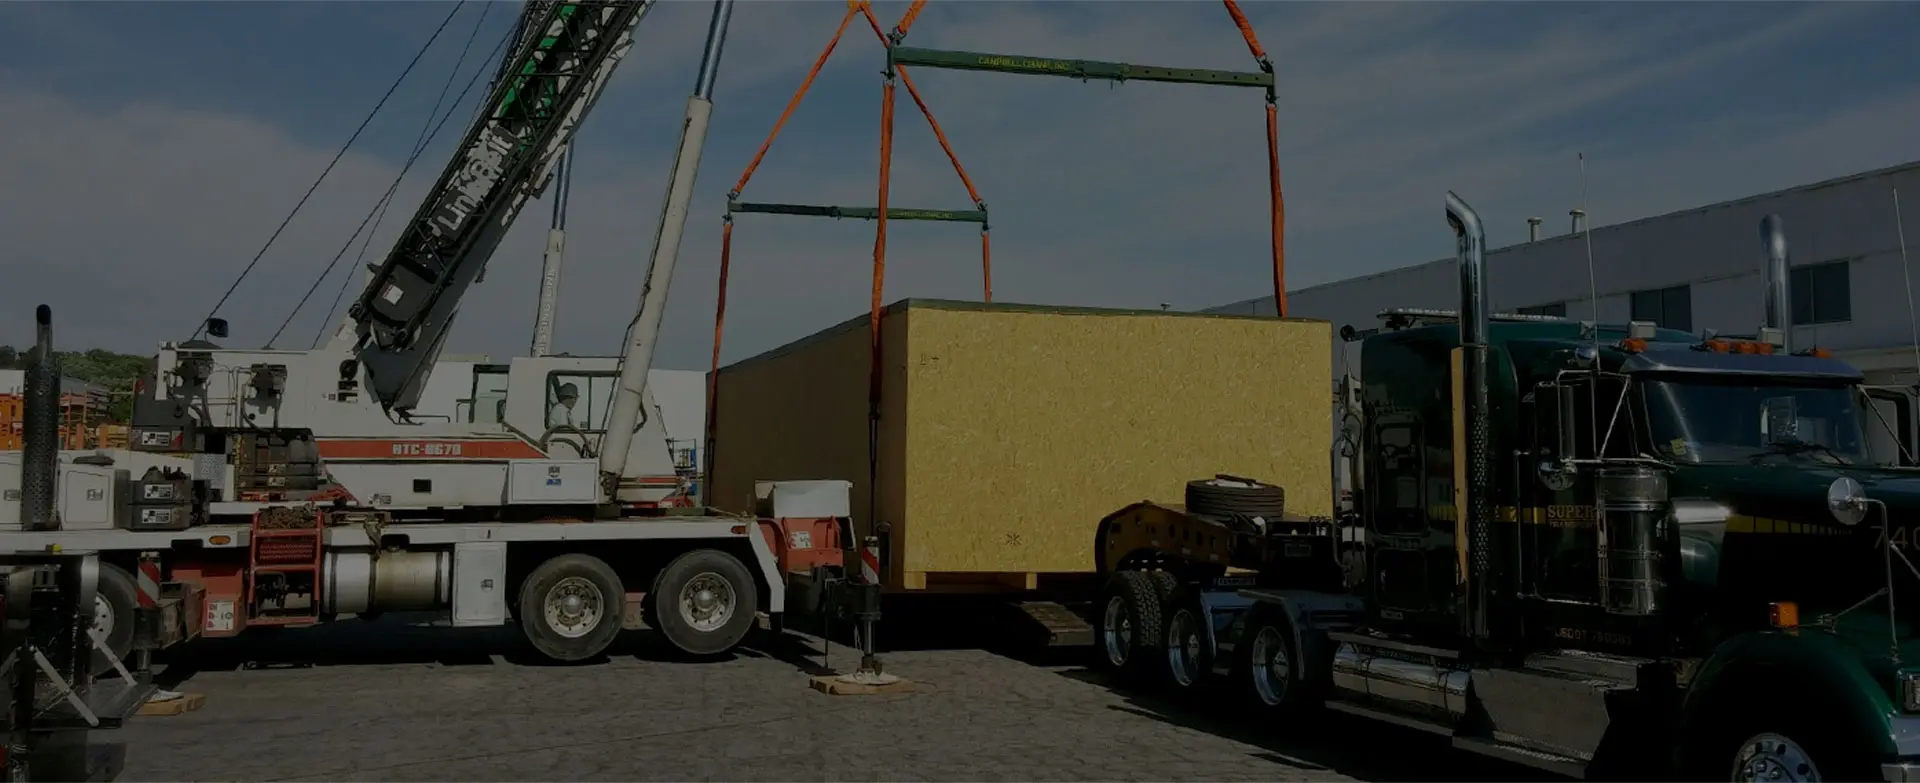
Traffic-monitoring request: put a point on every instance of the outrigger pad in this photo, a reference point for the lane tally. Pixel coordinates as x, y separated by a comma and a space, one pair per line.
860, 684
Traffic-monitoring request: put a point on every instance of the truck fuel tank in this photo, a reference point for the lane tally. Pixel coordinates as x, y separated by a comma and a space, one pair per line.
1634, 511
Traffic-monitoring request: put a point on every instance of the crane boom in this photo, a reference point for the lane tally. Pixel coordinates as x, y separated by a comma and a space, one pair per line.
563, 54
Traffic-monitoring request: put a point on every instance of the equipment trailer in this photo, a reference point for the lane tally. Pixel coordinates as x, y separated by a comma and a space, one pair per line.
1594, 550
290, 488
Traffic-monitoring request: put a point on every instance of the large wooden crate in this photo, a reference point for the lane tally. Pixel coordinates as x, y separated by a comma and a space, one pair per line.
1007, 431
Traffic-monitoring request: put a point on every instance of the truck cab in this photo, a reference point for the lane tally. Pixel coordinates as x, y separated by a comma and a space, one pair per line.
1597, 550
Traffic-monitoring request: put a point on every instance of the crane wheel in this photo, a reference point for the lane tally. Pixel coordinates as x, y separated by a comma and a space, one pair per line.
704, 602
114, 602
1130, 624
570, 607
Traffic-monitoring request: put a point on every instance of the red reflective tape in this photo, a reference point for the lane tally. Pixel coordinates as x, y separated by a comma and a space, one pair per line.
148, 582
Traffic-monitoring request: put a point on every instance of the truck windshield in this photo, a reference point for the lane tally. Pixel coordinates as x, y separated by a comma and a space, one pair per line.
1738, 420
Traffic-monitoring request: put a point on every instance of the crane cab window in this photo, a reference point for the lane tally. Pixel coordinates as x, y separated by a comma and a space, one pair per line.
579, 400
488, 402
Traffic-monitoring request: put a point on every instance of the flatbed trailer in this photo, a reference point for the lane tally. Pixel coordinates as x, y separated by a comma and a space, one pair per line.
1694, 578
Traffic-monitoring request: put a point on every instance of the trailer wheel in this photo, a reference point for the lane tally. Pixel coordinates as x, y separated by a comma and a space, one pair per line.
114, 603
570, 607
704, 602
1188, 653
1271, 672
1130, 624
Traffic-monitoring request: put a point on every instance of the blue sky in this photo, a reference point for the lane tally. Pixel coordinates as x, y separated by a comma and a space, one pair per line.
154, 146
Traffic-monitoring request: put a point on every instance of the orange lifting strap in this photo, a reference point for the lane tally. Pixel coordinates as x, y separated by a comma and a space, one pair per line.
854, 7
1083, 69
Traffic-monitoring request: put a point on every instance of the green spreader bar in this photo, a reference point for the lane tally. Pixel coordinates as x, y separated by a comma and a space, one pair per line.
1073, 69
861, 213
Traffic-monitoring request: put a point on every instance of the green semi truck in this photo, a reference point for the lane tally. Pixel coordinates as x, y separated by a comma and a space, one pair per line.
1600, 551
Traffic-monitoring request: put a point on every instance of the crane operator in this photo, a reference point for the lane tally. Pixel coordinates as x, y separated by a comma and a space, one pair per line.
562, 415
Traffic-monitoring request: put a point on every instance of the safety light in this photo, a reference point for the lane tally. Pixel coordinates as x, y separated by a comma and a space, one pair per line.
1783, 614
1910, 691
1723, 345
1633, 345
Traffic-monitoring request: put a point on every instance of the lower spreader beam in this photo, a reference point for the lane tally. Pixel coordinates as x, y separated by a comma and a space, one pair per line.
860, 213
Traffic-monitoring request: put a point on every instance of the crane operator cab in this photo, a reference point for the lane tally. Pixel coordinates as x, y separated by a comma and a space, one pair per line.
561, 403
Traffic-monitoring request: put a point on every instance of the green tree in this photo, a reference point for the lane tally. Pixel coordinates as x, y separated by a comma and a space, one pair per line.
116, 372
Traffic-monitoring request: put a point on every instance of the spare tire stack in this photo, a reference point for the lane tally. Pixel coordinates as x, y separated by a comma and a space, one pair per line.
1229, 496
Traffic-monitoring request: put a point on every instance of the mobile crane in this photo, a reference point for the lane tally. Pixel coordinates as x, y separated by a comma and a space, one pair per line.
311, 493
1596, 550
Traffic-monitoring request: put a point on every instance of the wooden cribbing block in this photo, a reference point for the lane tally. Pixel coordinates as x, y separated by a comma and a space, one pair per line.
173, 704
860, 685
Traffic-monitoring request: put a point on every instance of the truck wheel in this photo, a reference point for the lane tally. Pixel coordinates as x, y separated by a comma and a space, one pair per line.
704, 602
570, 607
1268, 666
1774, 748
1188, 653
1129, 625
114, 602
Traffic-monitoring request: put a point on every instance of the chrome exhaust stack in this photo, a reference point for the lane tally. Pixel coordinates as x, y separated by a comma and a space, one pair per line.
1778, 328
1473, 540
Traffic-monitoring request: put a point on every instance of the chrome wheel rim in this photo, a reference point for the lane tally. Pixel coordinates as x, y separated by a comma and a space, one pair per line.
574, 607
1117, 631
1183, 648
1271, 669
706, 602
1773, 757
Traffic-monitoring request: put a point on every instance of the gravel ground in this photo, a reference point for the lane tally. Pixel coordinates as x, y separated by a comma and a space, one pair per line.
392, 701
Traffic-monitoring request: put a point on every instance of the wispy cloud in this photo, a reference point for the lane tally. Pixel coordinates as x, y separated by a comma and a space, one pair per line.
144, 177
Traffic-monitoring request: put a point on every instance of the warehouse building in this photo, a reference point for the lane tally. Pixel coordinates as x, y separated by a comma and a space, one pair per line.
1694, 270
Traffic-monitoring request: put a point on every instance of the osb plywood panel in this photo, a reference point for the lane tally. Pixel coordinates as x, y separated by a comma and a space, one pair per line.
1025, 426
1008, 431
800, 412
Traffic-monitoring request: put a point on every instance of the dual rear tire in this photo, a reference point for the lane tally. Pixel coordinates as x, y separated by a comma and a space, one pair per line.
571, 606
1129, 625
1151, 631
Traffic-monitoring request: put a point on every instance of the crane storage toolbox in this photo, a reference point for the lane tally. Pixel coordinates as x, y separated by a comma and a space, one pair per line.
1006, 431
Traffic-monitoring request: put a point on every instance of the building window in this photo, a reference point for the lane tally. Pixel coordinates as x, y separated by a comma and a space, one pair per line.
1555, 310
1821, 293
1668, 308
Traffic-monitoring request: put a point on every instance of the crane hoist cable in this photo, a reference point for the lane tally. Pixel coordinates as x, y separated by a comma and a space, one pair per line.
341, 153
479, 109
428, 131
